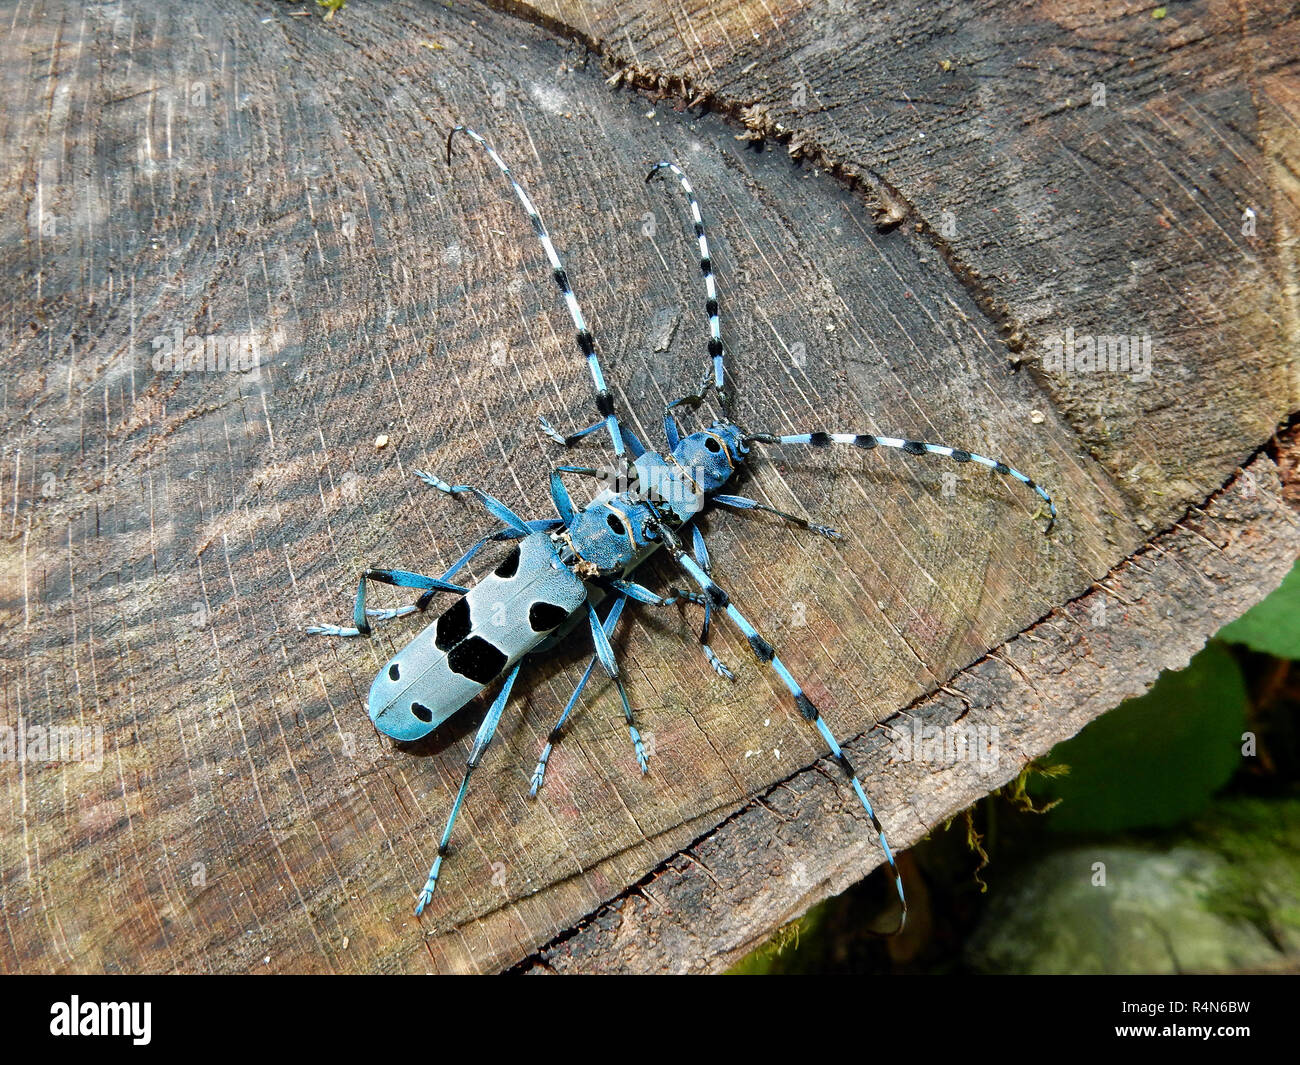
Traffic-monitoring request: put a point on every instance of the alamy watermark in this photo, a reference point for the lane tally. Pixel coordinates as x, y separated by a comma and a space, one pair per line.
175, 352
668, 485
131, 1020
1084, 353
935, 745
53, 743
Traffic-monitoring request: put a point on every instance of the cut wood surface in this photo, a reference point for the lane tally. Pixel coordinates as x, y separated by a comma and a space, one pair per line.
1083, 166
797, 843
235, 170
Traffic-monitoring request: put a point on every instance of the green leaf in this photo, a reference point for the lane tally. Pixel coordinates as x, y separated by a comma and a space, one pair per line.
1156, 760
1273, 625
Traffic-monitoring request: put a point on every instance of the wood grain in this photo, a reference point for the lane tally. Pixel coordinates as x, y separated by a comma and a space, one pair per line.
235, 170
1082, 166
798, 843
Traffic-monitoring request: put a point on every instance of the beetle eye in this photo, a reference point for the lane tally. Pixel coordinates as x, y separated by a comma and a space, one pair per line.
615, 525
712, 445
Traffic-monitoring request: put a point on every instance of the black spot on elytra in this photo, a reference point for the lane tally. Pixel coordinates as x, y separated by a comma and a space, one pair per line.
542, 617
453, 625
394, 673
509, 565
476, 659
422, 712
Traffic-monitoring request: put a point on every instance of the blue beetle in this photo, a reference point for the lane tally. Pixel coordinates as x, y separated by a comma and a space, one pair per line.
584, 559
